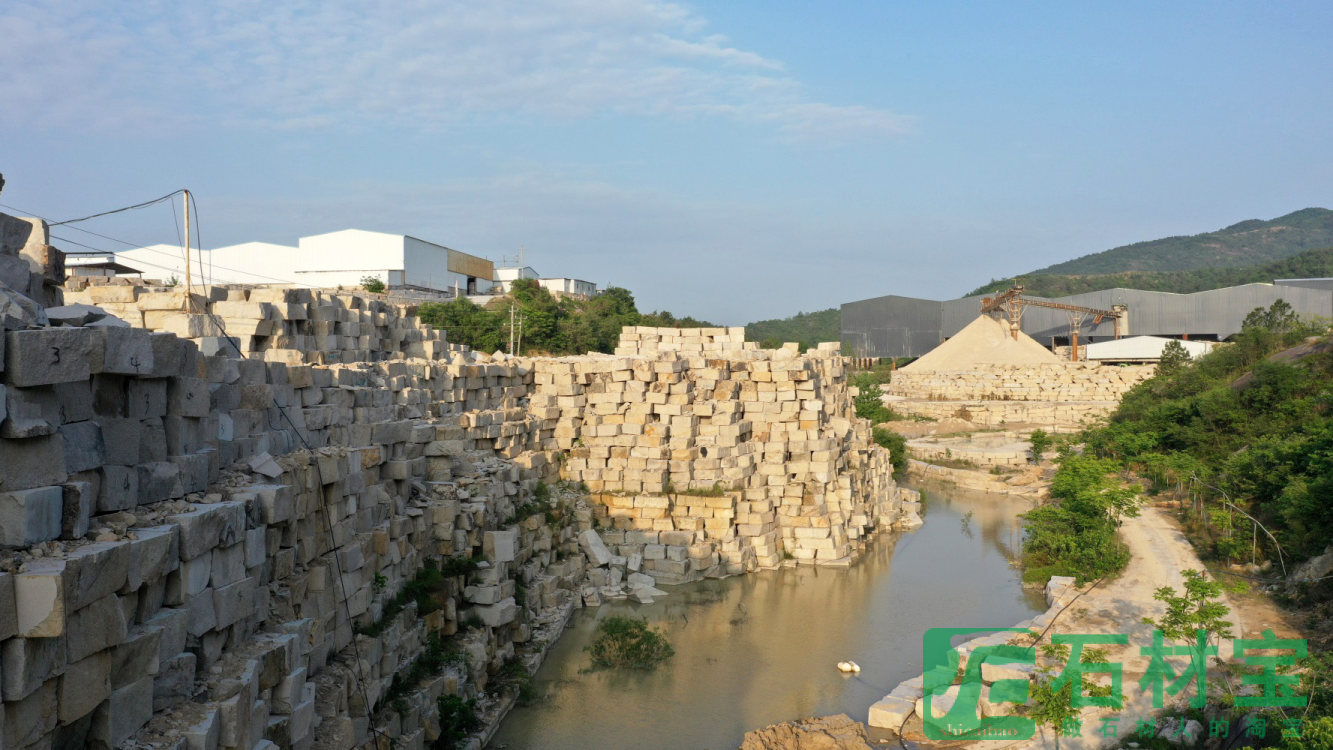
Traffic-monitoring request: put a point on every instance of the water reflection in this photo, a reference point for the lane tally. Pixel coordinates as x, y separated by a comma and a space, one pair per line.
759, 649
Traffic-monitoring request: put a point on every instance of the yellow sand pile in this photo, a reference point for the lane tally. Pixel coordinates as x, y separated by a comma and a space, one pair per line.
985, 341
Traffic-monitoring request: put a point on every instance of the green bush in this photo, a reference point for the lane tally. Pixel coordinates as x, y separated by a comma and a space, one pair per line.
897, 445
1041, 442
869, 403
627, 643
458, 719
1076, 535
373, 284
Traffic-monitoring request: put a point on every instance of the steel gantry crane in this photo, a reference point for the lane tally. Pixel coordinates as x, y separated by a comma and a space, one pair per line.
1012, 303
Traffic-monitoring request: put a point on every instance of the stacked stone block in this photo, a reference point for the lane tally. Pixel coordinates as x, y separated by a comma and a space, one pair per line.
647, 340
1061, 395
742, 459
276, 324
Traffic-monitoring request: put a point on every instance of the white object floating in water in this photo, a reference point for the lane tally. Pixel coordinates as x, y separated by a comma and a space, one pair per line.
848, 666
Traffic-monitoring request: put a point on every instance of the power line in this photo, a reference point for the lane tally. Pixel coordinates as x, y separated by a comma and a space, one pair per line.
137, 246
118, 210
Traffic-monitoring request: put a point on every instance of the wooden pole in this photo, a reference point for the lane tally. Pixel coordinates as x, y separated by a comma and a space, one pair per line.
189, 298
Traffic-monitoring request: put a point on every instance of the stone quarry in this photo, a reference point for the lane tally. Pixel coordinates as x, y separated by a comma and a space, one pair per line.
986, 376
310, 545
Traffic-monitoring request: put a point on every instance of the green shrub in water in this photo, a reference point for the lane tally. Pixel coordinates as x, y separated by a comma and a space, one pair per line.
627, 643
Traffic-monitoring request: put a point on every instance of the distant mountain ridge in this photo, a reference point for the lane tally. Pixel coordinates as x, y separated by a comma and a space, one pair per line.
1309, 264
1245, 243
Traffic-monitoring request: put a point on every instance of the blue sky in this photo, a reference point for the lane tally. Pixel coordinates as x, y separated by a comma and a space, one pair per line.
734, 160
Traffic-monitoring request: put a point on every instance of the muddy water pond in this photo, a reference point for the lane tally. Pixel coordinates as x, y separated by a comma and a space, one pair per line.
762, 648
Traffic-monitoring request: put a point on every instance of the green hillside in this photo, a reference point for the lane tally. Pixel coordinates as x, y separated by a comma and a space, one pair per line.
806, 328
1311, 263
1244, 244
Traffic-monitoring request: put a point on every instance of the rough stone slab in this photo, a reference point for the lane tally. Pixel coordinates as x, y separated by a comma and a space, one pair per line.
76, 401
94, 571
30, 663
84, 685
187, 397
39, 598
35, 462
500, 546
124, 713
30, 516
145, 398
201, 617
594, 548
174, 683
79, 500
119, 489
168, 355
208, 526
890, 712
123, 351
500, 613
174, 634
32, 412
120, 437
137, 656
77, 314
228, 565
154, 554
9, 624
235, 602
158, 481
84, 448
32, 718
193, 470
98, 626
47, 355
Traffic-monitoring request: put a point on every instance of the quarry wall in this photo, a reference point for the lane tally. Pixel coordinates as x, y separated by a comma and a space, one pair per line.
181, 571
1059, 395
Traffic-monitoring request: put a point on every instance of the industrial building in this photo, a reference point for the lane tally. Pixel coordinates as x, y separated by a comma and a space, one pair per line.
333, 259
897, 326
558, 286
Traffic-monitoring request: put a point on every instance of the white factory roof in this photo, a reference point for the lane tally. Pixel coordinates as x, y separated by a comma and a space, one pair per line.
1141, 348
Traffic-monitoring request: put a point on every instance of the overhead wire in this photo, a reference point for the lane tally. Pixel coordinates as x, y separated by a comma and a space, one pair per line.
145, 204
137, 246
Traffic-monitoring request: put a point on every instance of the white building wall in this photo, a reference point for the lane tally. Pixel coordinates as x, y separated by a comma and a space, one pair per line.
247, 263
505, 277
569, 286
427, 265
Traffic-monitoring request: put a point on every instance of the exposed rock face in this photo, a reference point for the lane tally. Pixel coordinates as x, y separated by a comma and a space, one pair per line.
823, 733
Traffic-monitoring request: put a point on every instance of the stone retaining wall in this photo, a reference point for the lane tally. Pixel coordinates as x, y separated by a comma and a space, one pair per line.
1057, 415
1067, 381
184, 574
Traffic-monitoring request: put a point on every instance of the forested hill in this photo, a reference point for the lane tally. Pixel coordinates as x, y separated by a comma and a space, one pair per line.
806, 328
1244, 244
1311, 263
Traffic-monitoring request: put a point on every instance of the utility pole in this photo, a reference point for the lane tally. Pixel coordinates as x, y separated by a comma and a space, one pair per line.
511, 326
189, 296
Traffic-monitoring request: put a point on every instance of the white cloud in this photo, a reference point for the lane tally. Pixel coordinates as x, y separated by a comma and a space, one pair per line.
310, 63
